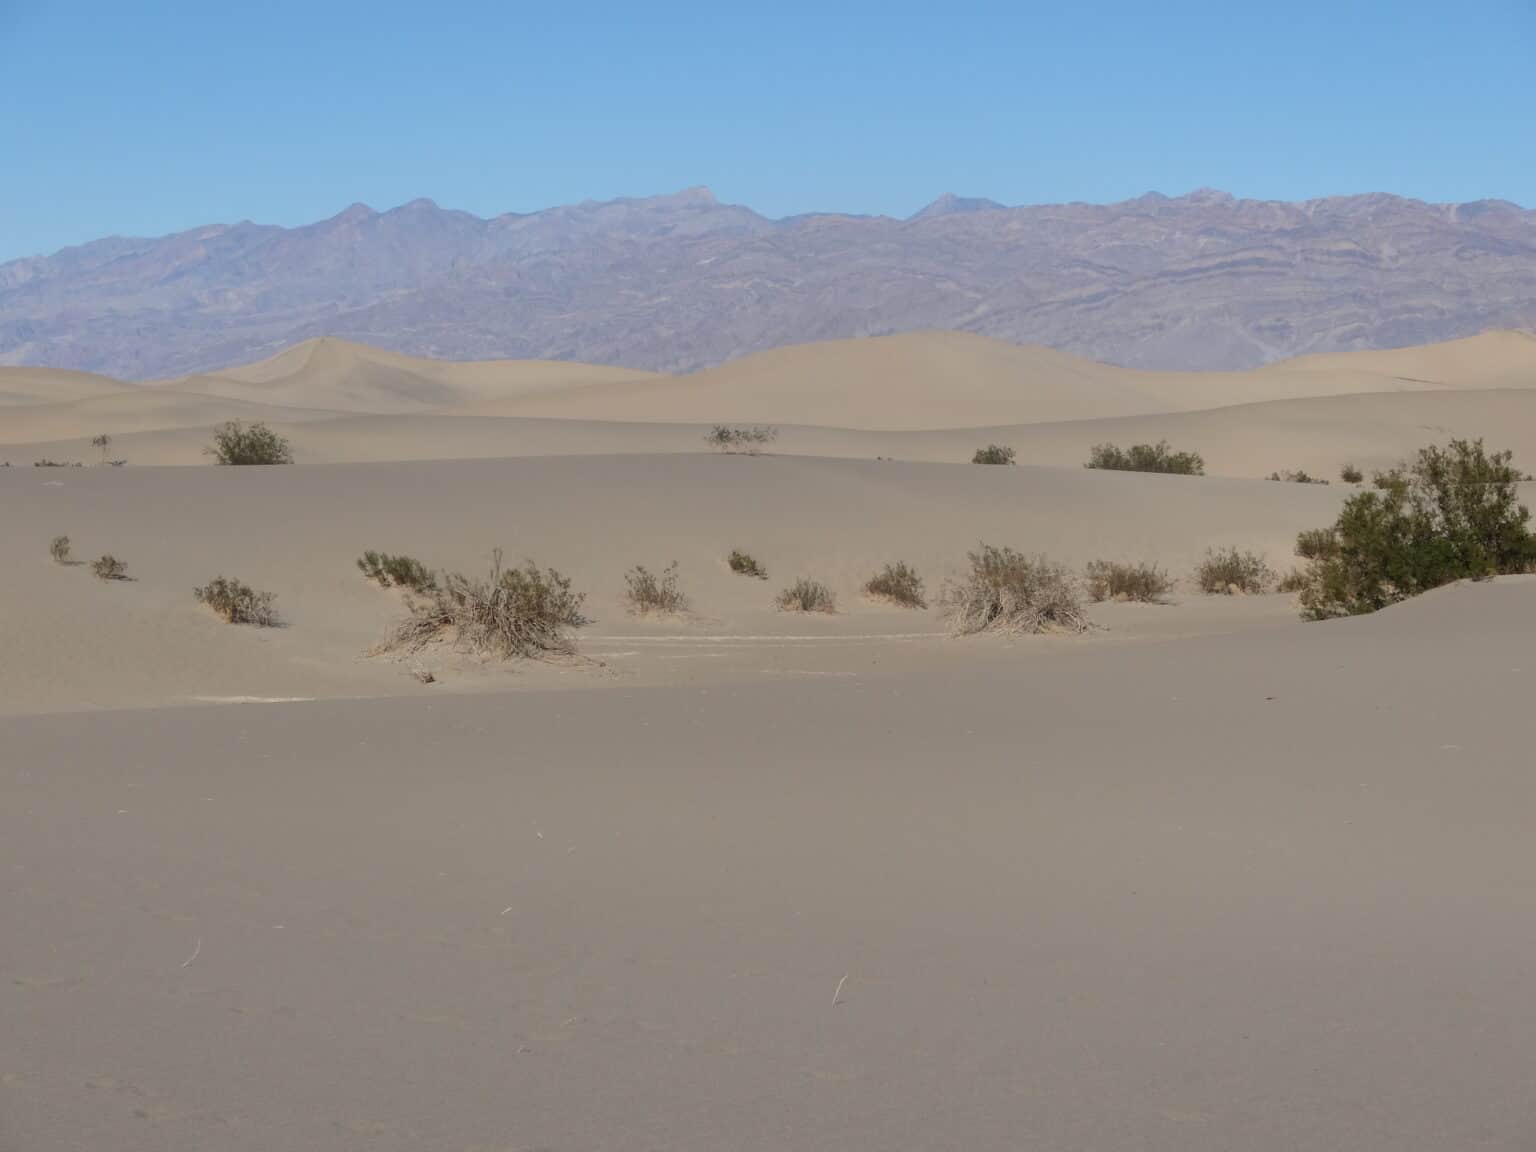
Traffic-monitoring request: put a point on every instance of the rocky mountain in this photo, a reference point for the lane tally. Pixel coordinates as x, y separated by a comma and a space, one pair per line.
682, 281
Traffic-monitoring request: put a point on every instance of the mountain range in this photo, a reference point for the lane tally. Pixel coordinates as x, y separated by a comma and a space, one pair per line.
679, 282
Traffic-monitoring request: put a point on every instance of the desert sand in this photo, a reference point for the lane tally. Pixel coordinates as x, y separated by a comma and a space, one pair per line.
1206, 877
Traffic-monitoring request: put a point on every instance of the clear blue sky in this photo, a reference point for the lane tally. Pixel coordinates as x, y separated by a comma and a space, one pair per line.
150, 116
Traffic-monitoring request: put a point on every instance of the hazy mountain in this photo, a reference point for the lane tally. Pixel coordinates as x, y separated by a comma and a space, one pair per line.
681, 281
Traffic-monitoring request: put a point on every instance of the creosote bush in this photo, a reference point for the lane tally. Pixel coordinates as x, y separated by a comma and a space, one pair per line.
743, 564
512, 612
391, 571
994, 454
750, 439
235, 443
646, 591
1157, 457
238, 602
898, 583
1350, 474
1300, 477
807, 596
1110, 580
1006, 591
1230, 572
109, 568
59, 550
1452, 513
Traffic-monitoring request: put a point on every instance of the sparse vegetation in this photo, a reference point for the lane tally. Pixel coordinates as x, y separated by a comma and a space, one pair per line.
101, 442
1230, 572
1300, 477
1293, 581
994, 454
109, 568
1453, 513
1157, 457
47, 463
235, 443
807, 596
1110, 580
59, 550
748, 440
743, 564
898, 583
648, 592
237, 602
1007, 591
512, 612
402, 571
1350, 474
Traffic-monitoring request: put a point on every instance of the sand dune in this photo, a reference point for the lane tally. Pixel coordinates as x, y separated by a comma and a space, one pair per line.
20, 386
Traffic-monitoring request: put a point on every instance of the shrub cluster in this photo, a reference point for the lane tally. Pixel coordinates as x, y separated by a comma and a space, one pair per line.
1350, 474
648, 592
747, 439
1109, 580
238, 602
1231, 572
807, 596
993, 454
744, 564
1006, 591
1157, 457
47, 463
898, 583
235, 443
1300, 477
109, 567
401, 571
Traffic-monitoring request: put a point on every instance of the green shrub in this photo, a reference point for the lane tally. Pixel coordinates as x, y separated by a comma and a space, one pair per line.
234, 443
1350, 474
743, 564
1230, 572
237, 602
648, 592
899, 584
1006, 591
1452, 513
1109, 580
1296, 478
109, 568
807, 596
59, 550
1146, 458
749, 439
993, 454
401, 571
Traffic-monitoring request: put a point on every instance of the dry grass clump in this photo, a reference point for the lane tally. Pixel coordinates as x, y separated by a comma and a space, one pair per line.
994, 454
1293, 581
749, 440
807, 596
1350, 474
1007, 591
1299, 477
59, 550
898, 583
1111, 580
1230, 572
743, 564
1157, 457
47, 463
512, 612
238, 602
235, 443
401, 571
648, 592
109, 567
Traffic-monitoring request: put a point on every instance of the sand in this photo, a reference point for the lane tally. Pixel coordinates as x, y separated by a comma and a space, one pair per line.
1206, 877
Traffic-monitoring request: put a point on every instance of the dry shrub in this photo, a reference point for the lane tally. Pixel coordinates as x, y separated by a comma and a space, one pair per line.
744, 564
807, 596
1110, 580
994, 454
898, 583
512, 612
238, 602
648, 592
59, 550
47, 463
1007, 591
401, 571
109, 568
1299, 477
749, 440
1350, 474
1293, 581
1157, 457
236, 443
1230, 572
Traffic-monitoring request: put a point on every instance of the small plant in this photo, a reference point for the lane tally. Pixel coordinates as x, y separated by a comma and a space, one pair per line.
234, 443
109, 568
994, 454
1293, 581
1109, 580
101, 442
1350, 474
807, 596
744, 564
899, 584
59, 550
749, 440
237, 602
648, 592
1316, 544
1007, 591
47, 463
404, 571
1229, 572
1157, 457
1296, 478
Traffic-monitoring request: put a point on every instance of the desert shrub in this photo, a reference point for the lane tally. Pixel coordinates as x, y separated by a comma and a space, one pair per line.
748, 439
237, 602
512, 612
648, 592
1110, 580
1157, 457
47, 463
994, 454
59, 550
101, 442
235, 443
109, 568
401, 571
1300, 477
1230, 572
898, 583
1293, 581
1452, 513
1006, 591
807, 596
1350, 474
743, 564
